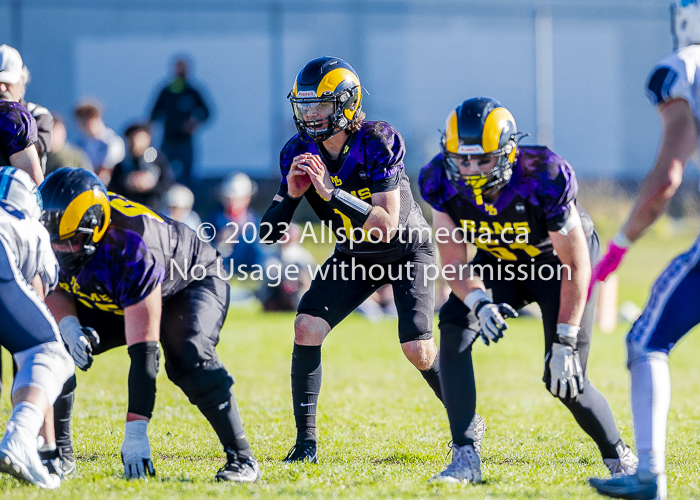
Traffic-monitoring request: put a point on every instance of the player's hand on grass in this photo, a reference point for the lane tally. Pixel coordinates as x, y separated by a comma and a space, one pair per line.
566, 374
78, 341
617, 248
136, 451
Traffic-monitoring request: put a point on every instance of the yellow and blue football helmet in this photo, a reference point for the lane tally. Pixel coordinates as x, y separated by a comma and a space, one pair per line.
479, 128
325, 98
76, 214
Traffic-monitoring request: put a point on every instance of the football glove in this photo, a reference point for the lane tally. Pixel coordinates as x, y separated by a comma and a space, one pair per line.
491, 316
79, 341
617, 248
136, 451
565, 372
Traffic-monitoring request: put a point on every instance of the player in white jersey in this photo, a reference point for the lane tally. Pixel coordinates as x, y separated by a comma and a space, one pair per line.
672, 309
28, 271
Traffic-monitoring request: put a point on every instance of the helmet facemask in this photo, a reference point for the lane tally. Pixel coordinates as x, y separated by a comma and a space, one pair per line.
475, 186
74, 250
320, 118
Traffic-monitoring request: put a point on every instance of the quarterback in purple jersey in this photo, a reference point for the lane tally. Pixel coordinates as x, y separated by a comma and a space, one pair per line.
351, 172
518, 207
139, 278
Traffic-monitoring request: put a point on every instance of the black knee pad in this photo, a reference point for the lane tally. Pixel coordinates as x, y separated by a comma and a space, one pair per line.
205, 384
145, 360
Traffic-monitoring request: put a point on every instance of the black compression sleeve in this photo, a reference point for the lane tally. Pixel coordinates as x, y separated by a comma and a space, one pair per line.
145, 357
275, 222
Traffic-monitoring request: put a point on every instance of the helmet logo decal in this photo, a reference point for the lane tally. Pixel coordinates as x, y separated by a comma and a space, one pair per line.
473, 149
76, 210
306, 93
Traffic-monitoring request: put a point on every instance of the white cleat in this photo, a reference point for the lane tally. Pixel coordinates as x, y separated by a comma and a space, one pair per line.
464, 468
631, 487
626, 465
19, 458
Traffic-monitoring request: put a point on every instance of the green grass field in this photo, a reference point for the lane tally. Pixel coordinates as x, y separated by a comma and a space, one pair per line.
382, 433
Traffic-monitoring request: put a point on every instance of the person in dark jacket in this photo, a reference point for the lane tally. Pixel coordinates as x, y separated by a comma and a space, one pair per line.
182, 110
144, 175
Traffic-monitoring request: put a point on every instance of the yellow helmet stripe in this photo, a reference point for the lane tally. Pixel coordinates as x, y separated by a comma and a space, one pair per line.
452, 133
331, 81
493, 125
77, 208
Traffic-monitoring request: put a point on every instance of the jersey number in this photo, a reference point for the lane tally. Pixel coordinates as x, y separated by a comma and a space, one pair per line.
133, 209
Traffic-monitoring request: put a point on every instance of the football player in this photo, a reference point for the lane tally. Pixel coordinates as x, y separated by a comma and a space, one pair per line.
518, 206
672, 307
351, 172
28, 270
139, 278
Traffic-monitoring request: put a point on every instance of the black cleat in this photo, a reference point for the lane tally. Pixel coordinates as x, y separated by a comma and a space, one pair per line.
59, 463
303, 451
239, 469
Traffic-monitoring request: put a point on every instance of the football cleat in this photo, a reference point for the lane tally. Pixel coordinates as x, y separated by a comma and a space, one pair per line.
479, 432
239, 469
58, 463
303, 451
464, 468
19, 458
626, 465
631, 487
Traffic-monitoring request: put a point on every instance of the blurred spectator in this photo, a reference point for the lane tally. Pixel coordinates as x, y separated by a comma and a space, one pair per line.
236, 225
281, 294
63, 153
14, 68
183, 110
144, 175
102, 145
178, 202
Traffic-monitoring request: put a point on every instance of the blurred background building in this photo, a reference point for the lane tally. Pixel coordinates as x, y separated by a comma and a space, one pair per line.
571, 71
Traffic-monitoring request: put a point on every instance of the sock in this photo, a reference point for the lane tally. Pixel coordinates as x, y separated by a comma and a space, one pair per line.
27, 416
594, 416
457, 381
651, 400
62, 411
48, 447
432, 376
306, 385
226, 421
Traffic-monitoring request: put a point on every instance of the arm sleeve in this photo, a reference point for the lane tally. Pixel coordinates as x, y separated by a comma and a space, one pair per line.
556, 191
278, 216
201, 111
430, 184
387, 148
44, 125
158, 107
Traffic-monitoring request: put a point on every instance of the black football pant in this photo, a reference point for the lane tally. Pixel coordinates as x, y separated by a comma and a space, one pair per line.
190, 325
459, 330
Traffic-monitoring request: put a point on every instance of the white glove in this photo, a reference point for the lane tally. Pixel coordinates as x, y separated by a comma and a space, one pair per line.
76, 341
136, 451
566, 375
491, 316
